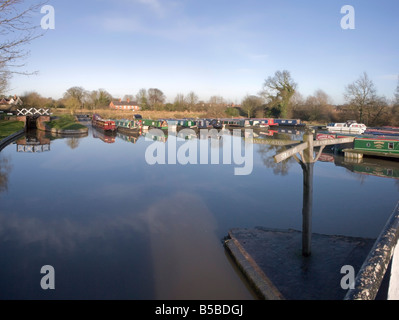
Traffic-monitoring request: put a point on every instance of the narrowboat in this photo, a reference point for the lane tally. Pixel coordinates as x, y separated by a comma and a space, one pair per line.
289, 123
233, 123
107, 126
347, 127
383, 131
259, 123
186, 123
154, 124
204, 124
216, 124
128, 126
379, 147
172, 124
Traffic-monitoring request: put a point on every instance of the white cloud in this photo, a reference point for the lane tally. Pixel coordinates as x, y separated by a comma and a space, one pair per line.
393, 77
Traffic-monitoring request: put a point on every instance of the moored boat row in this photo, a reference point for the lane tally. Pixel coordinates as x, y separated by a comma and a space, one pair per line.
380, 142
127, 126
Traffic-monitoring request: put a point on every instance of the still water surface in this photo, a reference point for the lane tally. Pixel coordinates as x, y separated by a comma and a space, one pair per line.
115, 227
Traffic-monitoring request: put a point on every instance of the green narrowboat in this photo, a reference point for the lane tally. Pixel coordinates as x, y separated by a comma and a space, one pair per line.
186, 123
155, 124
390, 146
379, 147
128, 126
236, 123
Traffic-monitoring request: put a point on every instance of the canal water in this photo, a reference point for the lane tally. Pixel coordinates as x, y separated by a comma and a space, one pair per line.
114, 225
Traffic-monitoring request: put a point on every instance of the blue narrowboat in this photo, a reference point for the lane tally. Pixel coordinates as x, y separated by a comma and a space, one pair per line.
289, 122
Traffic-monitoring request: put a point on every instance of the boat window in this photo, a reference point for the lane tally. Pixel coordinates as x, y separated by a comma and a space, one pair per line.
368, 145
390, 146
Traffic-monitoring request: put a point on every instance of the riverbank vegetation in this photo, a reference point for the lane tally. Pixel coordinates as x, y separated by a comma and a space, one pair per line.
8, 128
65, 122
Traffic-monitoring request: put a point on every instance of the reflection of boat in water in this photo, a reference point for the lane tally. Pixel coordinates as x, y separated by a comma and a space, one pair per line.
187, 134
104, 137
131, 137
347, 127
155, 135
370, 166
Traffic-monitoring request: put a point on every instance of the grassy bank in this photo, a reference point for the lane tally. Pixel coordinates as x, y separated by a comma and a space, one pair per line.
7, 128
65, 122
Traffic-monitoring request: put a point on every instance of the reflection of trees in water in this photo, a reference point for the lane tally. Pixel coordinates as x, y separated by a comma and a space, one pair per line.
268, 151
357, 176
73, 143
397, 184
5, 168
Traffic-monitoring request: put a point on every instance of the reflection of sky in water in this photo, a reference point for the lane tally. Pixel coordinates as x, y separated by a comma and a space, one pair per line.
114, 227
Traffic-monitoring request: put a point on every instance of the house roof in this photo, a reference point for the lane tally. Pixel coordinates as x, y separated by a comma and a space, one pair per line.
125, 103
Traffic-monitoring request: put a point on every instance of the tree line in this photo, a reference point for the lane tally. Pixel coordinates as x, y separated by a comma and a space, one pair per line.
278, 98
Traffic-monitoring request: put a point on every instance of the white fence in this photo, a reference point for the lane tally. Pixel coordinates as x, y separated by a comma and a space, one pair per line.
33, 112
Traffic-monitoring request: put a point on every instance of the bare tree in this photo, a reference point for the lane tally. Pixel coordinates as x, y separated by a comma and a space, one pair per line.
142, 99
192, 100
77, 93
317, 106
180, 102
397, 94
156, 98
278, 91
361, 95
17, 29
128, 97
34, 100
250, 104
4, 79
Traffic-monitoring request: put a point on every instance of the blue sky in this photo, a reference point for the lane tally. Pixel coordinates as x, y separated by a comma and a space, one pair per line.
217, 47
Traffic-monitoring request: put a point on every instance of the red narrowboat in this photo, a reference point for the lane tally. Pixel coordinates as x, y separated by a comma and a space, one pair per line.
108, 126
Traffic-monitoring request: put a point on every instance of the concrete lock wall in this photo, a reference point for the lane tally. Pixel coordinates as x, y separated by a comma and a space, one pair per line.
393, 292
